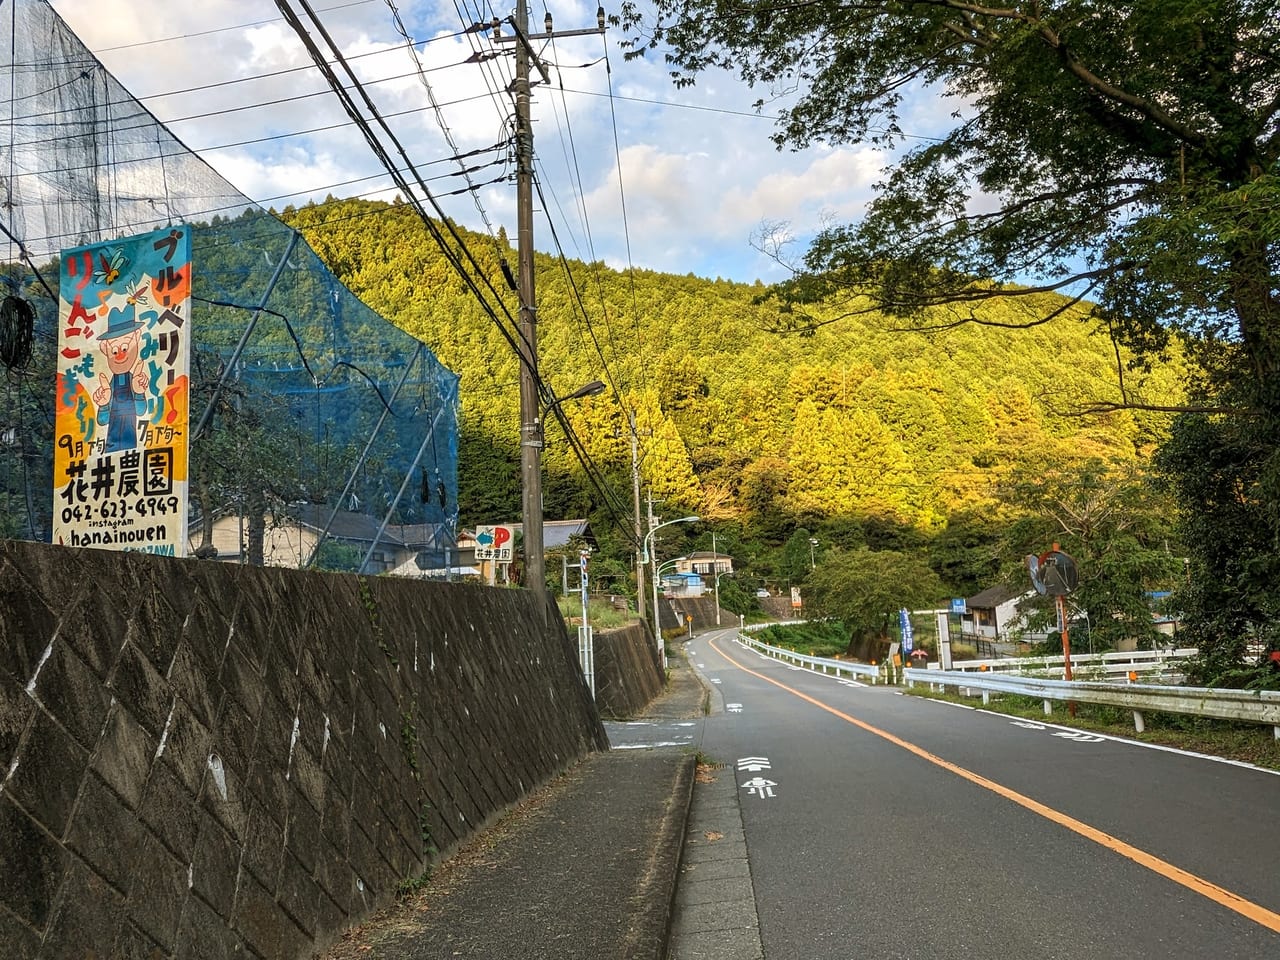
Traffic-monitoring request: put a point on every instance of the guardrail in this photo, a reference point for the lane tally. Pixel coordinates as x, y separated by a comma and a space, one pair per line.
838, 667
1164, 661
1249, 706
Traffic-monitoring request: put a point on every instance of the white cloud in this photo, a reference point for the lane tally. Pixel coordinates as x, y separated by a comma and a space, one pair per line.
698, 169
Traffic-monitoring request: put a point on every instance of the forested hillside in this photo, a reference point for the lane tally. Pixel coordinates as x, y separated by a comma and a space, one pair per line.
858, 431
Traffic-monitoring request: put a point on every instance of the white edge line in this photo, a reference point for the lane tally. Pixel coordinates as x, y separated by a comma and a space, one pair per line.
1107, 736
1142, 743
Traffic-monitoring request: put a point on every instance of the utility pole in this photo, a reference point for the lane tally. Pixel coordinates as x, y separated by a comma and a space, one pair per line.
530, 409
640, 533
652, 524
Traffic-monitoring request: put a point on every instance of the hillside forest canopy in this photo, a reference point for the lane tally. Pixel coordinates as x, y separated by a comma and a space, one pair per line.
859, 435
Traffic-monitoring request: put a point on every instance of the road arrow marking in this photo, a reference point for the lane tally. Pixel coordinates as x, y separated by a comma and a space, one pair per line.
1079, 737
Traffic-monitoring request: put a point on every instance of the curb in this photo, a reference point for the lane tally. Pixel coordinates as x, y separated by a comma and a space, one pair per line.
648, 939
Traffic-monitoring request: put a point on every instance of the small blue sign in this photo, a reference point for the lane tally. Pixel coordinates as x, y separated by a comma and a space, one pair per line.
904, 620
959, 606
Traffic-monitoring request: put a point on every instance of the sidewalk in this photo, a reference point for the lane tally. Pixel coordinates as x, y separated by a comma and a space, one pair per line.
583, 869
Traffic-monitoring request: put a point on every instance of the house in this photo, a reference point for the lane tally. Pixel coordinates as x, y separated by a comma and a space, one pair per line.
993, 612
679, 584
291, 535
692, 574
705, 564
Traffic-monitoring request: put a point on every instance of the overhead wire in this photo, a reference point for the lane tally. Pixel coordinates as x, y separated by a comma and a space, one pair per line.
257, 104
592, 471
240, 205
570, 154
236, 26
477, 282
622, 200
444, 129
617, 507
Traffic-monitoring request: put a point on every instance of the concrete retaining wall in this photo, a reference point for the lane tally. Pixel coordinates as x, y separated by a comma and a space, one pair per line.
628, 670
200, 760
703, 612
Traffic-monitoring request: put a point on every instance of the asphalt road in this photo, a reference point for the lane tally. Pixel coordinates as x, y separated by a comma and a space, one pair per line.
885, 826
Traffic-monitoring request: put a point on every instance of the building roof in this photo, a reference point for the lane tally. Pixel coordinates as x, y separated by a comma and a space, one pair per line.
346, 525
992, 597
360, 527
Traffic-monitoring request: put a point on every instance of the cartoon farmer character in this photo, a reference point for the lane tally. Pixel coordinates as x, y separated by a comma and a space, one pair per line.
122, 399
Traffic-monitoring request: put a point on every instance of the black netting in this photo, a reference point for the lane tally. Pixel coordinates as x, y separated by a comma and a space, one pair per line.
324, 416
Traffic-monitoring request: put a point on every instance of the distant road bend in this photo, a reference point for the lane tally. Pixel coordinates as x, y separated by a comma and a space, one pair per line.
881, 825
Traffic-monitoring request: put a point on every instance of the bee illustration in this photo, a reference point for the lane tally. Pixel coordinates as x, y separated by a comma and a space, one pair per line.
110, 271
137, 293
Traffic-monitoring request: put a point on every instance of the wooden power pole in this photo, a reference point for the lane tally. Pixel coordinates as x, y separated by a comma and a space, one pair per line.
530, 400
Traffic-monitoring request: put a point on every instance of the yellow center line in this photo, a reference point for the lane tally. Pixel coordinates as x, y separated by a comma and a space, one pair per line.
1246, 908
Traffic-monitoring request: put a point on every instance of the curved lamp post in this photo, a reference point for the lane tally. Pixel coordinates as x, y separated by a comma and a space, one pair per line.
650, 558
586, 390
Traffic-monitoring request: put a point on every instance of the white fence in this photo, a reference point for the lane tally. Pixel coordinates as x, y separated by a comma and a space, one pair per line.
825, 665
1249, 706
1163, 663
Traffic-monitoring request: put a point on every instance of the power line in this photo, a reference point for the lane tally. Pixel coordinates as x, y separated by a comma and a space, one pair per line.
288, 70
237, 26
129, 99
444, 128
474, 282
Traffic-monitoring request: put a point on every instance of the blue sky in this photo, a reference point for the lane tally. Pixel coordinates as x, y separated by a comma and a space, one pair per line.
693, 169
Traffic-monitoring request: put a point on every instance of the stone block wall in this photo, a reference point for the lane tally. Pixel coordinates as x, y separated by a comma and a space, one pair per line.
702, 610
200, 760
628, 670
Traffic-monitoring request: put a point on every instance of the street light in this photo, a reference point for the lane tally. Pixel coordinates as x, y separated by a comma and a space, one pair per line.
650, 558
531, 495
813, 542
586, 390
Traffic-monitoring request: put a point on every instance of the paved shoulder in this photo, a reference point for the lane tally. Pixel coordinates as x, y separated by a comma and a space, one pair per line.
584, 868
715, 912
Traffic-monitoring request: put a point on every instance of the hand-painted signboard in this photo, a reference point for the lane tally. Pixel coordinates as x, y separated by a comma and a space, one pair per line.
123, 393
494, 543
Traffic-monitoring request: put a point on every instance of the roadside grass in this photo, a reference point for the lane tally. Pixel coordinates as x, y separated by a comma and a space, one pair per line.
602, 614
1247, 742
819, 638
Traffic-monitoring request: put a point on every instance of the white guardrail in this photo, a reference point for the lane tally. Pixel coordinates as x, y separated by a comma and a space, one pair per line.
1248, 706
826, 665
1163, 661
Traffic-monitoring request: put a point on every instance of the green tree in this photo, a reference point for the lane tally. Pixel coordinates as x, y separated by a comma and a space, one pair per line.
865, 589
796, 565
1110, 519
1225, 508
1125, 153
1125, 150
